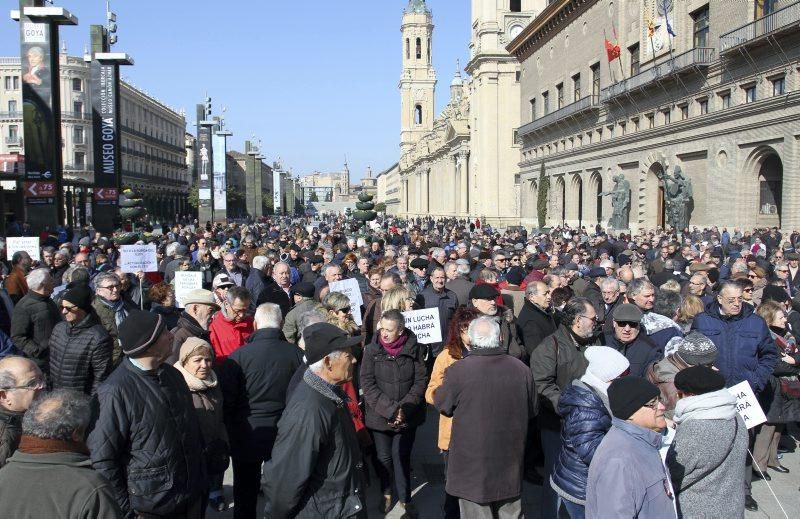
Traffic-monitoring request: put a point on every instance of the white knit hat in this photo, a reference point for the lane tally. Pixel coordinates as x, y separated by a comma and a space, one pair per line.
605, 363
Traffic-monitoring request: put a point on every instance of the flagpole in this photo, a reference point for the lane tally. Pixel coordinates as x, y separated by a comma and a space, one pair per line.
605, 49
616, 40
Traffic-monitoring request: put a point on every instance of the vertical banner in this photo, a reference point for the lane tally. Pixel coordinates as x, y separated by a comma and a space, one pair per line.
106, 141
220, 177
204, 167
277, 192
42, 122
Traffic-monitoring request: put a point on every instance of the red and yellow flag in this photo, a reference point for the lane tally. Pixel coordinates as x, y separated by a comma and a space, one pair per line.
612, 51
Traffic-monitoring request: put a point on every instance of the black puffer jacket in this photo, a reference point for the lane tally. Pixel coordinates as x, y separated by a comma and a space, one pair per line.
390, 383
80, 355
31, 325
146, 440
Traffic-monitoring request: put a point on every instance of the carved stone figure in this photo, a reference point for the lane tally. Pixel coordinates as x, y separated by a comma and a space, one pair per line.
677, 198
620, 202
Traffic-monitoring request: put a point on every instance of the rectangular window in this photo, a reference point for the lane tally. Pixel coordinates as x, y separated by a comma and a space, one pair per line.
517, 75
725, 100
8, 82
13, 133
77, 134
559, 95
635, 124
545, 103
77, 107
533, 109
700, 18
611, 131
778, 86
12, 105
684, 112
651, 121
596, 79
77, 84
750, 94
703, 103
16, 82
667, 116
80, 160
576, 87
634, 55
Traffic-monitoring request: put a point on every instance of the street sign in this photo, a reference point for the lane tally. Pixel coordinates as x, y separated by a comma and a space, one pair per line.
37, 193
105, 196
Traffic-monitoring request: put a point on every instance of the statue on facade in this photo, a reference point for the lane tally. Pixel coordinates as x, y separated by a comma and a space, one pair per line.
678, 198
620, 202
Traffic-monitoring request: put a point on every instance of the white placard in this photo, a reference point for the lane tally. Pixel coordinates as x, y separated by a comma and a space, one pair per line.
138, 258
350, 288
747, 404
185, 282
425, 324
29, 244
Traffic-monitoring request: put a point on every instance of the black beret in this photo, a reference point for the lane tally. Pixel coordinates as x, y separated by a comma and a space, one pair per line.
140, 330
515, 275
699, 380
317, 259
304, 288
597, 272
483, 291
419, 263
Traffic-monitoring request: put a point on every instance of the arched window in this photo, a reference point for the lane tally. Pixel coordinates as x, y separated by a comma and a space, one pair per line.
419, 48
418, 114
429, 51
516, 6
408, 49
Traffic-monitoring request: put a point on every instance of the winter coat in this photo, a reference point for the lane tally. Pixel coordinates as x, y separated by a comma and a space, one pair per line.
187, 327
392, 383
443, 361
641, 353
534, 324
255, 283
662, 374
446, 302
10, 432
316, 468
170, 314
491, 398
31, 326
291, 325
227, 336
707, 456
57, 484
586, 422
660, 329
510, 341
461, 286
254, 381
627, 477
16, 285
273, 293
7, 346
147, 441
80, 355
778, 407
109, 322
745, 349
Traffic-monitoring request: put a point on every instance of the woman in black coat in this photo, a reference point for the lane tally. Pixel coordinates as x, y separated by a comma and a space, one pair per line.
393, 383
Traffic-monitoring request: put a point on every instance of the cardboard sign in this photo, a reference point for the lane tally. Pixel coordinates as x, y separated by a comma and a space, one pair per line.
29, 244
425, 324
350, 288
185, 282
138, 258
747, 404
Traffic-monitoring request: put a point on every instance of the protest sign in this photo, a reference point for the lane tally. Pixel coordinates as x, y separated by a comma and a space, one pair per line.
138, 258
747, 404
350, 288
185, 282
425, 324
29, 244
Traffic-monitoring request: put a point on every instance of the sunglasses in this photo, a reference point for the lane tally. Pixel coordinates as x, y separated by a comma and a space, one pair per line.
345, 310
630, 324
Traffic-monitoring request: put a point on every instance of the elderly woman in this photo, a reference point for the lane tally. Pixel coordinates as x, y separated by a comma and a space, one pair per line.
162, 302
339, 313
759, 278
393, 381
194, 363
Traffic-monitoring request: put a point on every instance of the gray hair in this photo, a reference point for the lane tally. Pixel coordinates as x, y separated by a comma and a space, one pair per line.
484, 333
170, 250
396, 316
336, 300
259, 262
436, 251
639, 284
317, 366
37, 278
268, 315
532, 288
310, 317
463, 267
62, 254
240, 293
75, 273
57, 415
609, 283
106, 276
328, 267
667, 303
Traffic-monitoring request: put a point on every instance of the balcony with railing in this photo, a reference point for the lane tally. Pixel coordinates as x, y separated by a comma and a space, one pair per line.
10, 115
13, 140
783, 20
76, 115
581, 106
679, 64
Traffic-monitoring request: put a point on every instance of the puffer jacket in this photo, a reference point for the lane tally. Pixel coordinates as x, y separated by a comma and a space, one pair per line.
391, 383
146, 440
109, 321
745, 349
80, 355
10, 433
586, 422
31, 326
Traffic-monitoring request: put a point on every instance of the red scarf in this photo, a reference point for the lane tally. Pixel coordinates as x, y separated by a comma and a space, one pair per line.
393, 348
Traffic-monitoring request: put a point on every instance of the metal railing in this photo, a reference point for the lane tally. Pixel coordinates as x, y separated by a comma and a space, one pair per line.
581, 105
76, 115
783, 18
15, 140
700, 56
11, 115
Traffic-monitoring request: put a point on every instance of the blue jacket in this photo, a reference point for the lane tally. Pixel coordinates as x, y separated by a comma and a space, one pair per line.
6, 345
627, 477
641, 353
745, 348
585, 422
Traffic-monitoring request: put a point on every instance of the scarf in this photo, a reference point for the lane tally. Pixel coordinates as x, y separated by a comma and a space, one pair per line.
34, 445
393, 348
600, 388
329, 391
717, 405
118, 308
195, 384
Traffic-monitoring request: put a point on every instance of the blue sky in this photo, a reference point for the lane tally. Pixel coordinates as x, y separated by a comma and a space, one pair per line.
315, 80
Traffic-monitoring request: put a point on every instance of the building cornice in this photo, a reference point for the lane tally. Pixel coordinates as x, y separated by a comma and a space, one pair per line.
552, 20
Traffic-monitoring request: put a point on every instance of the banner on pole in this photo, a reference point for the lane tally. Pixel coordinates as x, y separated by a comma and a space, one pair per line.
138, 258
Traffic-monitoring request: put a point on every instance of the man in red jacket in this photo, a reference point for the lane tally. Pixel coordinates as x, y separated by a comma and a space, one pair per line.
232, 325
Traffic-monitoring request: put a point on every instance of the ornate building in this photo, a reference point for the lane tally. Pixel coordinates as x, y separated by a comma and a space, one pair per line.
462, 163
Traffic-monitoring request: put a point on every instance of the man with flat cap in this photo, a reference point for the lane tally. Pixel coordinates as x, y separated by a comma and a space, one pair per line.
483, 298
316, 468
419, 267
315, 263
303, 299
146, 439
625, 337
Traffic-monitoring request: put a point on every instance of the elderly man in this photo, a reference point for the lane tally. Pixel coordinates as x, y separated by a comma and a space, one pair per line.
316, 468
330, 273
419, 270
625, 337
220, 286
745, 350
111, 308
254, 385
20, 381
491, 398
60, 265
231, 269
697, 285
258, 279
314, 265
659, 328
231, 326
460, 283
303, 297
199, 307
50, 475
15, 283
484, 299
147, 435
80, 347
610, 292
277, 290
536, 320
34, 318
435, 295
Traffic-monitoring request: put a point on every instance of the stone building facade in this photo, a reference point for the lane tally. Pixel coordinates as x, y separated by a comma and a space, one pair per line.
718, 100
389, 189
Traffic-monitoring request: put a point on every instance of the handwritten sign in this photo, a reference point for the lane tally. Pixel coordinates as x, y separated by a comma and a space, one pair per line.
138, 258
425, 324
747, 404
27, 244
185, 282
350, 288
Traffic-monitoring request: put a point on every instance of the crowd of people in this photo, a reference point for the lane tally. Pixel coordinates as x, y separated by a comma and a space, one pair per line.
593, 364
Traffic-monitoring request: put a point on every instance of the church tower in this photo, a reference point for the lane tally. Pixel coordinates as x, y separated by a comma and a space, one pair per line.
418, 81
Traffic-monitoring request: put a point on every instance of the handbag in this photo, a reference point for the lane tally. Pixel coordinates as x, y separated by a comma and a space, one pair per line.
790, 386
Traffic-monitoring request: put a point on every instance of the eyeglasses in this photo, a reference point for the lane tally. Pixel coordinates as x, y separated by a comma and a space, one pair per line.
630, 324
500, 260
34, 385
345, 310
781, 270
593, 319
112, 287
70, 309
654, 403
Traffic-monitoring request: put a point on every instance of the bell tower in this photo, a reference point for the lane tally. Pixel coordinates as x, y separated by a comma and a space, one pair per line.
418, 80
